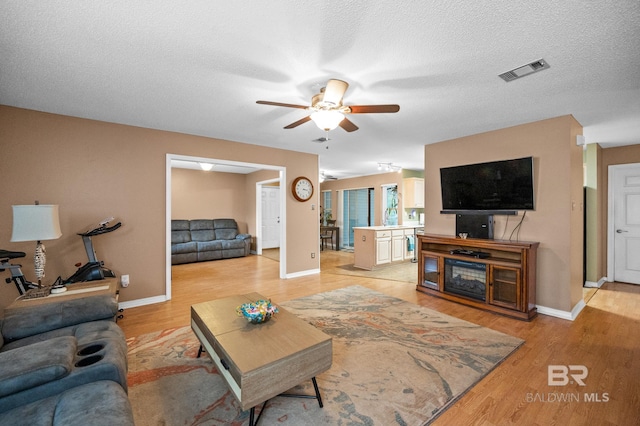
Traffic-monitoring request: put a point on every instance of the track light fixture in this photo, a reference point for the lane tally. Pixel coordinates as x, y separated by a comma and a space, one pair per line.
389, 167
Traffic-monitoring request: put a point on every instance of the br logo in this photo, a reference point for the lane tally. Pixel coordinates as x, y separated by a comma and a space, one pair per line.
558, 375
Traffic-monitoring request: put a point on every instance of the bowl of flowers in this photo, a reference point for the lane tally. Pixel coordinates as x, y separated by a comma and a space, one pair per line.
257, 312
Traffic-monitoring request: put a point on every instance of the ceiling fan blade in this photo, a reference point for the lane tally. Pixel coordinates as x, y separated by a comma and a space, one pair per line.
299, 122
365, 109
281, 104
334, 91
348, 125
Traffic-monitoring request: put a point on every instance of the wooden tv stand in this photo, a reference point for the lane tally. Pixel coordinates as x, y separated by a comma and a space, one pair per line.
498, 275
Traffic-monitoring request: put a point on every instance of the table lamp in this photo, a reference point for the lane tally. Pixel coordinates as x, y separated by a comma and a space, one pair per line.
36, 222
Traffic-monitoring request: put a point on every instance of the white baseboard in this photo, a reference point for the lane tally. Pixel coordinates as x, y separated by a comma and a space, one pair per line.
570, 316
303, 273
142, 302
591, 284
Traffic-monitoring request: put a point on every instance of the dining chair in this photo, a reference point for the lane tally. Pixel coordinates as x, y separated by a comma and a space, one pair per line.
327, 234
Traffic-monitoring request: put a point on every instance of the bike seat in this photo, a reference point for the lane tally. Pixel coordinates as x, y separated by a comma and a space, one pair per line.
6, 254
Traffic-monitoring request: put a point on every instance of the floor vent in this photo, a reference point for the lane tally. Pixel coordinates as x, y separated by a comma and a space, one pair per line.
519, 72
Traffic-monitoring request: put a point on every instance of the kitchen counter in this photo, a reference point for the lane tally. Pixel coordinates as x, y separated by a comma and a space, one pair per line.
375, 246
388, 227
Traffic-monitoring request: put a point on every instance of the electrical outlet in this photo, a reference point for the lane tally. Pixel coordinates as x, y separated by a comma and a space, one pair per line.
313, 255
124, 280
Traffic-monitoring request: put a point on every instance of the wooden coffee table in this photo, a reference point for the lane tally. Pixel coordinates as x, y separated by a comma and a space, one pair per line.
260, 361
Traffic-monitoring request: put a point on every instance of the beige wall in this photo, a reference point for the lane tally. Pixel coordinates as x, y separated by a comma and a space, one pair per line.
557, 220
196, 194
95, 169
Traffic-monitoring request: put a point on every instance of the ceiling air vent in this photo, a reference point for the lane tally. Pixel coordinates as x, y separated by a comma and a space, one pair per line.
514, 74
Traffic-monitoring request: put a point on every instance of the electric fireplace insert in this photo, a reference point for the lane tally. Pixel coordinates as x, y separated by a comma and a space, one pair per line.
464, 278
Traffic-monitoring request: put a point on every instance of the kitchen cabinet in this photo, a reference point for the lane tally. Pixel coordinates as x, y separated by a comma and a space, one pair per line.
413, 193
380, 245
398, 243
383, 247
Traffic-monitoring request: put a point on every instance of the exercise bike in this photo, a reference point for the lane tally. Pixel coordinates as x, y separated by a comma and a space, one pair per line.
94, 269
17, 276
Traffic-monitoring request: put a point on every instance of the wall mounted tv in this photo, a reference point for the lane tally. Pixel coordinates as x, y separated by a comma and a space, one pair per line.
497, 187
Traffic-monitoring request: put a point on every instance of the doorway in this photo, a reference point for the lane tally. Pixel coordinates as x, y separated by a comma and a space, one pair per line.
623, 245
168, 197
357, 210
268, 215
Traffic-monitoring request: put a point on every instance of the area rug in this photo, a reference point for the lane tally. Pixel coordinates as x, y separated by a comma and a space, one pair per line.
394, 362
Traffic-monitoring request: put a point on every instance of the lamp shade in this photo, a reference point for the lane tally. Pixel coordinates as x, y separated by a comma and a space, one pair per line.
35, 223
327, 120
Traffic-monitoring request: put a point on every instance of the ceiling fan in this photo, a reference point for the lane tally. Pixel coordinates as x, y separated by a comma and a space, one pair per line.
327, 110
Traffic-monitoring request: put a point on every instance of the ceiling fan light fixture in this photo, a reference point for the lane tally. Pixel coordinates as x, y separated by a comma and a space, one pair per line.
327, 120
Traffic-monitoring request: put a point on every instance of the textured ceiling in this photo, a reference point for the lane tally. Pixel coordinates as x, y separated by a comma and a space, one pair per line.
198, 67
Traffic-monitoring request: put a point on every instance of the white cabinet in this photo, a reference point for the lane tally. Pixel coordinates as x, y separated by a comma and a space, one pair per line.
383, 248
413, 193
374, 246
397, 245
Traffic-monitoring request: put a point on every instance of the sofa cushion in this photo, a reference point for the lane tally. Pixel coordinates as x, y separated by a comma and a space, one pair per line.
225, 223
30, 366
202, 230
101, 403
23, 322
232, 244
226, 229
85, 333
228, 254
226, 234
200, 224
210, 245
180, 231
178, 237
203, 256
178, 259
189, 247
106, 360
179, 225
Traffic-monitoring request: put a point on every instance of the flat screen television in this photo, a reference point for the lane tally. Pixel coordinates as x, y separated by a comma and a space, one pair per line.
495, 187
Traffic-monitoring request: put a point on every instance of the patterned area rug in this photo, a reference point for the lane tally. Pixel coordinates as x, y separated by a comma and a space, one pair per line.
393, 363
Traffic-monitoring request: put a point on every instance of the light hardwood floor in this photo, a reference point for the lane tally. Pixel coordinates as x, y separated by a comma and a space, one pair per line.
605, 338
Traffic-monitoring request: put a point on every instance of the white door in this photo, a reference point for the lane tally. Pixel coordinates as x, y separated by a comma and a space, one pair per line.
270, 216
626, 222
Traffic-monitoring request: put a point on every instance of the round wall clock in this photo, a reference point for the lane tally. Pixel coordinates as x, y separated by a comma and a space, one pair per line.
302, 188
